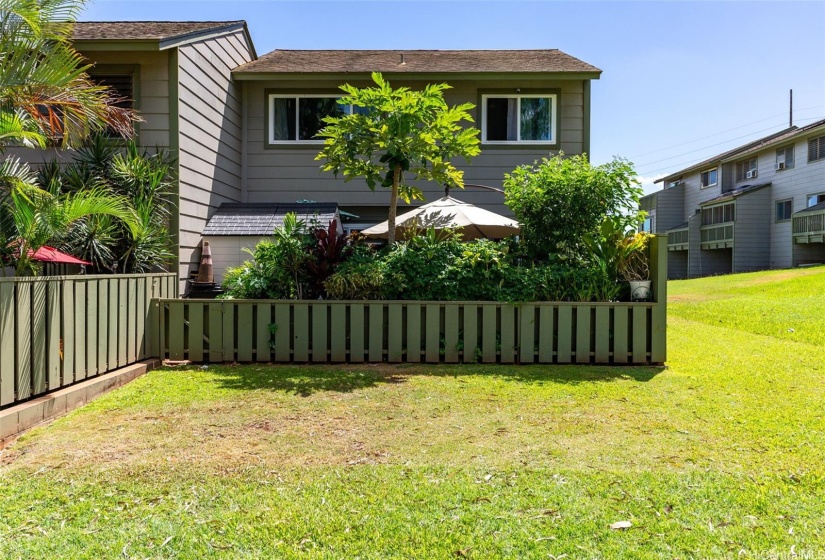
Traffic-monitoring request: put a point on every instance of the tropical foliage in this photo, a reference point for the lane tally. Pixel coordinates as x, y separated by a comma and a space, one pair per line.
560, 200
392, 135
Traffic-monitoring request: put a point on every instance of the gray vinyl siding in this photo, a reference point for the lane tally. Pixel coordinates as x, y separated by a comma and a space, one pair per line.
229, 251
210, 136
751, 236
288, 174
670, 208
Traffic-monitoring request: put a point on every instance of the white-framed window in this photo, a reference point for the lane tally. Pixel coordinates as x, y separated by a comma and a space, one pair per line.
298, 118
784, 158
814, 199
520, 118
784, 210
708, 178
746, 169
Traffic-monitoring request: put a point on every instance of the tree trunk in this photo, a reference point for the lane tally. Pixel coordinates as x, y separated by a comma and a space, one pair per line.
396, 180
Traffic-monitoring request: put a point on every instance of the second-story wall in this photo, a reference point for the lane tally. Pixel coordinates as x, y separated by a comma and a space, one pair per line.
291, 173
209, 117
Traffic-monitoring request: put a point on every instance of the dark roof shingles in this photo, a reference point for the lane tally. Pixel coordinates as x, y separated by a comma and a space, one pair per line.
262, 219
143, 30
390, 61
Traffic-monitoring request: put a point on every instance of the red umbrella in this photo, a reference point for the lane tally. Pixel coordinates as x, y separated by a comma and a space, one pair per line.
50, 254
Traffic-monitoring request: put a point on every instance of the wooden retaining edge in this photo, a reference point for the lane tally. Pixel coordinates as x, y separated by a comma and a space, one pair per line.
17, 419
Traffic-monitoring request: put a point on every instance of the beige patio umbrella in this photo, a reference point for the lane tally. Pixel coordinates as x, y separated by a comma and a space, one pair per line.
448, 212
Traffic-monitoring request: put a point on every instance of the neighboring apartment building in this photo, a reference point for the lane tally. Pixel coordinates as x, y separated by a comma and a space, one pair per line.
242, 127
756, 207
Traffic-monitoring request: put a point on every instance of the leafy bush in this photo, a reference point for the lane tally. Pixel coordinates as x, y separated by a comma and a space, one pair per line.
559, 200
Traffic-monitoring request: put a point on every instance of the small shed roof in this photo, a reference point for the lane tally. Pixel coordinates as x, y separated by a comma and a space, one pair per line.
262, 219
815, 208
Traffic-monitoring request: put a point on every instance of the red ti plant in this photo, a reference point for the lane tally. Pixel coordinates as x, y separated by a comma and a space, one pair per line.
328, 251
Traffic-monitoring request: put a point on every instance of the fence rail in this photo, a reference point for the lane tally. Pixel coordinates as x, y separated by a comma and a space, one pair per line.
58, 330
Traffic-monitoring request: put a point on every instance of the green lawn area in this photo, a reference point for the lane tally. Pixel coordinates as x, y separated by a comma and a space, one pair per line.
719, 455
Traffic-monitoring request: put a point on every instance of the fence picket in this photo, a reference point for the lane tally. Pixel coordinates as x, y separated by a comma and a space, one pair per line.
103, 325
245, 324
195, 331
80, 331
583, 313
263, 318
131, 321
432, 333
338, 332
546, 333
602, 334
526, 333
113, 322
122, 321
488, 332
508, 333
53, 335
229, 331
413, 332
92, 368
376, 332
395, 331
451, 332
6, 343
356, 332
319, 332
301, 335
38, 348
564, 354
470, 337
283, 336
640, 324
215, 332
620, 335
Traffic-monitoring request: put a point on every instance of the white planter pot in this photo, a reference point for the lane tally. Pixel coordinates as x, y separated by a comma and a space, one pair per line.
640, 290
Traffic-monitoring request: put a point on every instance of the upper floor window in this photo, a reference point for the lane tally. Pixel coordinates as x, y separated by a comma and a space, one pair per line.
746, 169
784, 158
708, 178
816, 149
518, 118
649, 224
720, 214
814, 199
299, 118
122, 85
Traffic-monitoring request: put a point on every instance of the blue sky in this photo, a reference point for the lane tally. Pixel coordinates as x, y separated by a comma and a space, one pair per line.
682, 80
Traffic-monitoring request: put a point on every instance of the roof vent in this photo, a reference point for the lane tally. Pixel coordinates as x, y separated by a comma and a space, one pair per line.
402, 60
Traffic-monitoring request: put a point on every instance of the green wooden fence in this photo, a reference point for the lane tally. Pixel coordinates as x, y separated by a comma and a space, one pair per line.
415, 331
58, 330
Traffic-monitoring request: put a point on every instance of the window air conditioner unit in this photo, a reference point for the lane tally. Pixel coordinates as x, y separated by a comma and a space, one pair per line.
750, 175
780, 165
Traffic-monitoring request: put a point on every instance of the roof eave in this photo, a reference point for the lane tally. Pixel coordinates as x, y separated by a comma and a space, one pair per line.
253, 75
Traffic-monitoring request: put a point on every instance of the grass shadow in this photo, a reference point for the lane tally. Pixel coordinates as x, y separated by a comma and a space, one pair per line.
306, 380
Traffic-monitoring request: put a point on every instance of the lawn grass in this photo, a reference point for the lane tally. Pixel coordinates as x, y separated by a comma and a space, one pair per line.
718, 455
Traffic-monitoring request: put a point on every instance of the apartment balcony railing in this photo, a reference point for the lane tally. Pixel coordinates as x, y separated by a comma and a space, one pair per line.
717, 236
809, 227
677, 239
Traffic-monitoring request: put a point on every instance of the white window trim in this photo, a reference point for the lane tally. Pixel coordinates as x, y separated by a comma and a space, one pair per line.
709, 185
519, 96
270, 136
808, 199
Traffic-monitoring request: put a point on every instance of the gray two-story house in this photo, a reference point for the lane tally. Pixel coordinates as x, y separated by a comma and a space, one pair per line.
243, 127
758, 206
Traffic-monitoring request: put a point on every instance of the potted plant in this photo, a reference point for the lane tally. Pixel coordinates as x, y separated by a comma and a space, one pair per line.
633, 265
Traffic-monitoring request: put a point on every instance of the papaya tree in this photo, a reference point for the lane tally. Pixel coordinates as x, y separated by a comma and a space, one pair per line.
390, 136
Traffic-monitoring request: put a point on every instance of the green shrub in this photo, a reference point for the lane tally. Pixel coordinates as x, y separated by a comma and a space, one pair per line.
559, 200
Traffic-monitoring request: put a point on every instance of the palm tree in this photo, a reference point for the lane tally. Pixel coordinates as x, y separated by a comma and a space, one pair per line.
45, 93
37, 217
